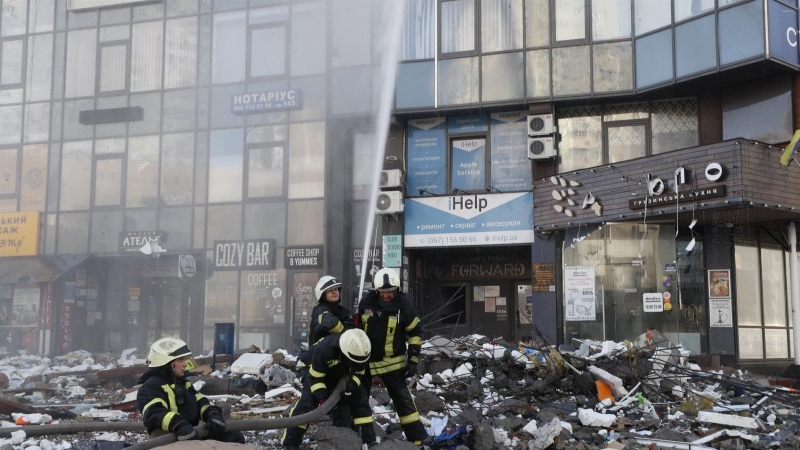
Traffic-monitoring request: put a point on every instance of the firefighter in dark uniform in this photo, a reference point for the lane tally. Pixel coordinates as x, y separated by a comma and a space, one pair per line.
334, 357
390, 320
169, 403
328, 317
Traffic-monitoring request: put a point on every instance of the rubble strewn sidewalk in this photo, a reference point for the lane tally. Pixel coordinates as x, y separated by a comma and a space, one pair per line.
474, 393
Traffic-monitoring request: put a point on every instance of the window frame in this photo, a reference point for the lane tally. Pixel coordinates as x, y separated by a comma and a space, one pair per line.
757, 240
122, 180
246, 198
17, 171
23, 64
249, 55
587, 26
476, 32
99, 63
627, 123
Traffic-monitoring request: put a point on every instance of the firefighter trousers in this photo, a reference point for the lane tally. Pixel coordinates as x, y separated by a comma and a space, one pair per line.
357, 403
395, 382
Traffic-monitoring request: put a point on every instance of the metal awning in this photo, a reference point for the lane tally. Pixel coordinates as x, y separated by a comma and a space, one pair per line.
37, 269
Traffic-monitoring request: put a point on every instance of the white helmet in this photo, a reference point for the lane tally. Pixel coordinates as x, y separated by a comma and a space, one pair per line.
325, 283
386, 279
355, 345
166, 350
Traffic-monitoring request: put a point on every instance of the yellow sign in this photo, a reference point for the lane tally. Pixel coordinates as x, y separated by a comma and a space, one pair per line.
19, 234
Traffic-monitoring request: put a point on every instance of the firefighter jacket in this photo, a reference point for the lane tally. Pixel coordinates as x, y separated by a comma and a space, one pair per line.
389, 326
326, 318
329, 365
164, 401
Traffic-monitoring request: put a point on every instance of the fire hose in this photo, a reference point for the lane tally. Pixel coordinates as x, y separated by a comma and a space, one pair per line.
169, 438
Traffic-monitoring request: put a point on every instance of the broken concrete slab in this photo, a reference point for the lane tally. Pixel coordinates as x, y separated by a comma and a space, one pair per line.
251, 363
545, 435
591, 418
727, 420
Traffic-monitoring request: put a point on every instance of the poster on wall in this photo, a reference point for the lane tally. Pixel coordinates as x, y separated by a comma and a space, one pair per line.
26, 306
427, 144
511, 168
469, 164
303, 297
719, 283
653, 302
263, 297
579, 298
720, 313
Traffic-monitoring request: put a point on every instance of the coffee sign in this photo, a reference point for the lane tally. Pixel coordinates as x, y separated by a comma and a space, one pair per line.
250, 255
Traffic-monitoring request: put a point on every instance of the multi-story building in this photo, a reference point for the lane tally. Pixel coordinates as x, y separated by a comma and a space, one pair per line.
173, 161
568, 168
657, 198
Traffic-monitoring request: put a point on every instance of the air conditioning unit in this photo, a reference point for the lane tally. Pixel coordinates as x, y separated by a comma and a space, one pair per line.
540, 125
389, 202
541, 148
391, 178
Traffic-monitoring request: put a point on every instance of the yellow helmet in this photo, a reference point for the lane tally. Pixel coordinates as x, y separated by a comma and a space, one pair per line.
166, 350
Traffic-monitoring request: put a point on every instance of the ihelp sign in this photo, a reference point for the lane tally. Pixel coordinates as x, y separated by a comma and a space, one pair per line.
469, 220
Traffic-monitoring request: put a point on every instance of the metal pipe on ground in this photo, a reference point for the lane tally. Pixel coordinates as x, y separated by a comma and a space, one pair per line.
232, 425
254, 425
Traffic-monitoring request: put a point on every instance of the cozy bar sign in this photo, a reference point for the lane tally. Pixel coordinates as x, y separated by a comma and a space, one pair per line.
249, 255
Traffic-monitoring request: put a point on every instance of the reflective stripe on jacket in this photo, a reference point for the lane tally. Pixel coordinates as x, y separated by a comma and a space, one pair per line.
328, 365
158, 401
394, 328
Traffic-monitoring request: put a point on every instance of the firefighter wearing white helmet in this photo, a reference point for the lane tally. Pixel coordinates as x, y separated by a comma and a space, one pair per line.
334, 357
169, 403
327, 317
394, 327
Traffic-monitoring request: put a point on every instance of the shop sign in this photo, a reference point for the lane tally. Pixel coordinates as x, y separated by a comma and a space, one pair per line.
653, 302
469, 164
133, 241
543, 276
307, 257
469, 220
270, 101
392, 251
187, 266
712, 191
19, 234
783, 32
467, 124
251, 254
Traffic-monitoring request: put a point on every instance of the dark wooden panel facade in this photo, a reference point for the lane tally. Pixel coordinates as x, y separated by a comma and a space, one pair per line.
752, 173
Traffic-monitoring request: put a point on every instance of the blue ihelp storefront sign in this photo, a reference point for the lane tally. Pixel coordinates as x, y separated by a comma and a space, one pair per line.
469, 220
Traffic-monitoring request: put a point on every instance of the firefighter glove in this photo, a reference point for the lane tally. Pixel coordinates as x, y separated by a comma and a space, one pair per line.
411, 369
184, 431
216, 424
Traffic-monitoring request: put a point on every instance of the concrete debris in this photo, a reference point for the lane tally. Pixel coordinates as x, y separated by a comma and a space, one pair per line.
477, 392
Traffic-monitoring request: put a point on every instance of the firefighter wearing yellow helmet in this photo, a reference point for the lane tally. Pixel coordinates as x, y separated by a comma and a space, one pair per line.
169, 403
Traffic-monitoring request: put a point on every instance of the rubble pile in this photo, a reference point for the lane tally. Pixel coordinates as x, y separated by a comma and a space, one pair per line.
473, 392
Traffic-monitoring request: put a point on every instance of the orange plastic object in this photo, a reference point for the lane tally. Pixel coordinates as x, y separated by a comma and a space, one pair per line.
23, 420
603, 391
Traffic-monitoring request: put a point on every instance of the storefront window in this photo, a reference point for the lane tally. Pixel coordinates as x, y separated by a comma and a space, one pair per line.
618, 282
763, 309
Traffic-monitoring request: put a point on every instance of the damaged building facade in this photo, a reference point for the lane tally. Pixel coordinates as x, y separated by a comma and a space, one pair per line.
653, 197
170, 164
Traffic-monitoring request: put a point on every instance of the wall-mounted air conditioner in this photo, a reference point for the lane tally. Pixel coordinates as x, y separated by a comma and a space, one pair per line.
541, 148
389, 202
391, 178
540, 125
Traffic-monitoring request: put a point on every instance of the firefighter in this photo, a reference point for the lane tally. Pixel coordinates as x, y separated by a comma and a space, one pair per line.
169, 403
334, 357
390, 321
328, 317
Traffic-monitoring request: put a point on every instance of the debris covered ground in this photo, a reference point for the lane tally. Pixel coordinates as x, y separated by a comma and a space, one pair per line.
474, 393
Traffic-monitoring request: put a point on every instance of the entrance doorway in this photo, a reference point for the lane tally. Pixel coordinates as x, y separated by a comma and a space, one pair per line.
167, 303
